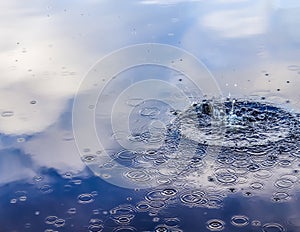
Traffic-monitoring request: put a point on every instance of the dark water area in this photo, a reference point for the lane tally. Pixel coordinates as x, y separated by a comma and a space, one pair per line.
90, 204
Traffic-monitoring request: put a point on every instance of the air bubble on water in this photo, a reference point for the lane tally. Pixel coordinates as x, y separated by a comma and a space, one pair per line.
273, 227
240, 220
13, 201
85, 198
215, 225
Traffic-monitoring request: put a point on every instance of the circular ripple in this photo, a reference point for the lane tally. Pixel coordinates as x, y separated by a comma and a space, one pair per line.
85, 198
273, 227
239, 220
215, 225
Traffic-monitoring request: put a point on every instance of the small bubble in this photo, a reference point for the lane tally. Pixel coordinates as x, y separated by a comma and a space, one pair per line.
33, 102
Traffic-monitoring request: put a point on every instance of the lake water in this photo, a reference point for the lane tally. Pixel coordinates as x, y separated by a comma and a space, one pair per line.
150, 115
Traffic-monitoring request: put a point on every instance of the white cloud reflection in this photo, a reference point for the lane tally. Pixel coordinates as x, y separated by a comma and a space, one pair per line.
47, 47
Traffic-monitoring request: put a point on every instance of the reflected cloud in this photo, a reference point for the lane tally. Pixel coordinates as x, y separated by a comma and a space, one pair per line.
241, 22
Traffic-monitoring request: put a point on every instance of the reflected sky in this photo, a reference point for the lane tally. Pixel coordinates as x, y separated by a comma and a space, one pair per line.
251, 47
